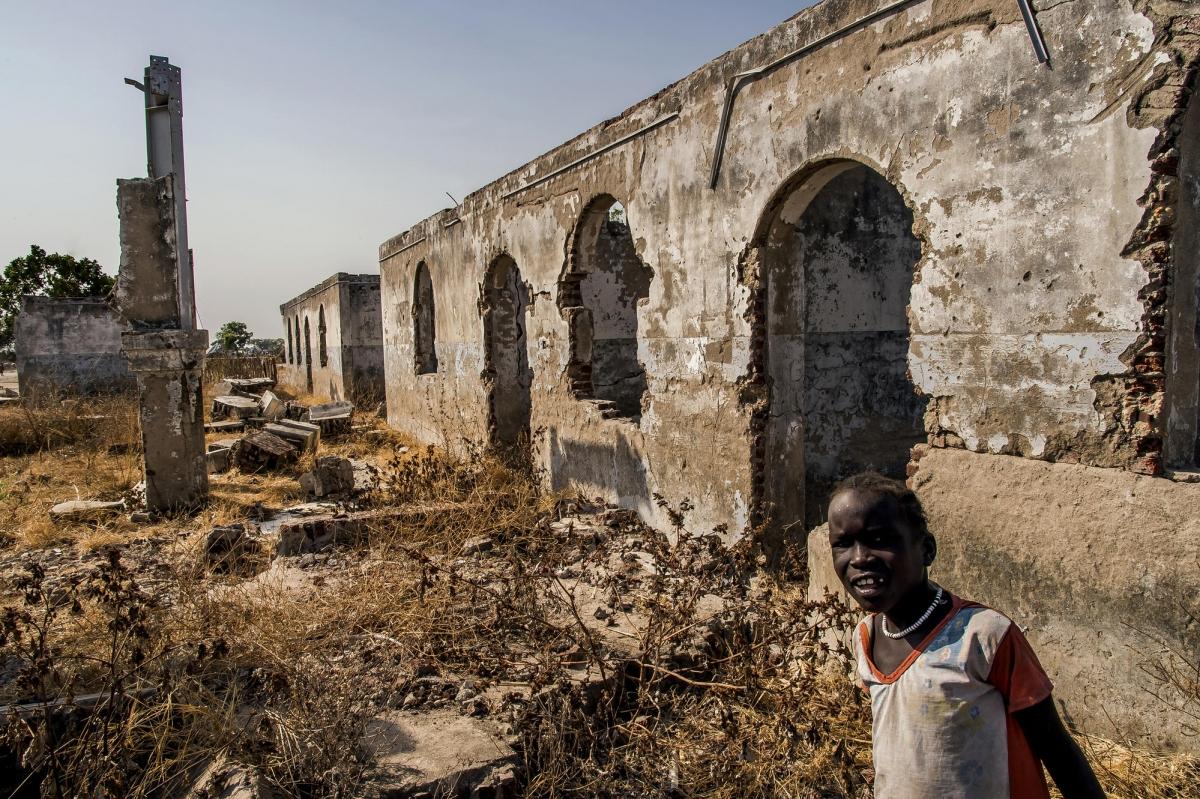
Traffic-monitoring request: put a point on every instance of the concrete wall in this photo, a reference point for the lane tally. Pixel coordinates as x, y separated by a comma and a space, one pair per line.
349, 365
70, 345
1028, 329
915, 219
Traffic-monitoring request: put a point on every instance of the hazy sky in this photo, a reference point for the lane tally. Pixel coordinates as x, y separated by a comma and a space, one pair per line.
315, 130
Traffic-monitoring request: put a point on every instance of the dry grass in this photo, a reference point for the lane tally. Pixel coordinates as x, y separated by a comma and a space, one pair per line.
281, 671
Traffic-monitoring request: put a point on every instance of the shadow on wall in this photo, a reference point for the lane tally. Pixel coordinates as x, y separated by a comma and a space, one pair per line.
601, 468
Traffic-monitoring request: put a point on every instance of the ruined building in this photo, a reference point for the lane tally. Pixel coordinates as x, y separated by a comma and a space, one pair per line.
926, 237
71, 345
333, 340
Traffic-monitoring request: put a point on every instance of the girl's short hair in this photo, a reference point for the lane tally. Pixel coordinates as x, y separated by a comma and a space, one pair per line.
875, 483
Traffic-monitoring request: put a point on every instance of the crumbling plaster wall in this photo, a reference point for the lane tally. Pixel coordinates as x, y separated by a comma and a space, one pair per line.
1024, 183
71, 345
353, 366
328, 380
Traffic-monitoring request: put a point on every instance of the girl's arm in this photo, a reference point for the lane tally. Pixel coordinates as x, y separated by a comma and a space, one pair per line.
1058, 751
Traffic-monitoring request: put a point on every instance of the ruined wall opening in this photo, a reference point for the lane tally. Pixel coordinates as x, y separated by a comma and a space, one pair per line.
291, 353
1181, 412
299, 352
308, 376
835, 257
322, 349
424, 346
507, 377
598, 295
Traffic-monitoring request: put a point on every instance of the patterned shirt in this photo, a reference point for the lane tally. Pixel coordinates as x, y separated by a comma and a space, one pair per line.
941, 722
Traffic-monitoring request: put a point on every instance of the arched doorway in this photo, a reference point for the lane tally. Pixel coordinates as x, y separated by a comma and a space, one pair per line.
506, 374
835, 256
598, 294
308, 378
424, 345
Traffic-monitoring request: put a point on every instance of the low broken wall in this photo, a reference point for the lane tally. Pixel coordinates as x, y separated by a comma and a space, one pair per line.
1100, 568
70, 345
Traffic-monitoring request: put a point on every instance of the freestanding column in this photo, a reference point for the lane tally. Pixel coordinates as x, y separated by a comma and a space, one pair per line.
154, 293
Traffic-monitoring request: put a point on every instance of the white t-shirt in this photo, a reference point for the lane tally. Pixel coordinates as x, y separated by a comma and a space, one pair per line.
941, 723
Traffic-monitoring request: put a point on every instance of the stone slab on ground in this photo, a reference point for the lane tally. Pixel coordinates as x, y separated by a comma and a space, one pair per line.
78, 510
334, 418
437, 754
252, 384
227, 406
317, 533
225, 426
260, 449
304, 436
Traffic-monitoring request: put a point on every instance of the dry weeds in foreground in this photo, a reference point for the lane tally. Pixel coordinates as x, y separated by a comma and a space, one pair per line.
731, 687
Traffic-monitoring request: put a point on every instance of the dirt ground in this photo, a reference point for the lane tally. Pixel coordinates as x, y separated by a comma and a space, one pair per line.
477, 636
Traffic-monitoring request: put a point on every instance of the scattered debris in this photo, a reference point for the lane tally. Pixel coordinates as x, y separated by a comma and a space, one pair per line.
220, 456
331, 475
304, 436
334, 418
260, 449
225, 426
272, 406
225, 544
321, 532
226, 406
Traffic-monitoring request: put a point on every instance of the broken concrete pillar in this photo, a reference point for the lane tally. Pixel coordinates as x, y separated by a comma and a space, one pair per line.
154, 296
168, 365
262, 450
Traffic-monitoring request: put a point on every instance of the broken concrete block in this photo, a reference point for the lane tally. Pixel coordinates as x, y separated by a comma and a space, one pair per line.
317, 533
262, 450
80, 510
297, 411
252, 385
437, 753
332, 475
477, 545
226, 426
334, 418
304, 436
225, 543
220, 458
272, 406
227, 406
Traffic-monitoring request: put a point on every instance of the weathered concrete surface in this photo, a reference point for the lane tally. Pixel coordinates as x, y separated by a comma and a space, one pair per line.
333, 345
71, 345
1034, 309
1100, 566
147, 291
437, 753
168, 366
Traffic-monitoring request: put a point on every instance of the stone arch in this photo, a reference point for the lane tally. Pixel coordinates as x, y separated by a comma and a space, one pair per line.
831, 269
291, 352
504, 303
308, 375
601, 285
424, 343
322, 348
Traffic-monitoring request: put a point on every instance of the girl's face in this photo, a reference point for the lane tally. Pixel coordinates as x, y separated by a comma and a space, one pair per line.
876, 553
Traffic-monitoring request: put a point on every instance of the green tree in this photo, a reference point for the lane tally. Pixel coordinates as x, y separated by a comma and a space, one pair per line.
47, 275
233, 336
